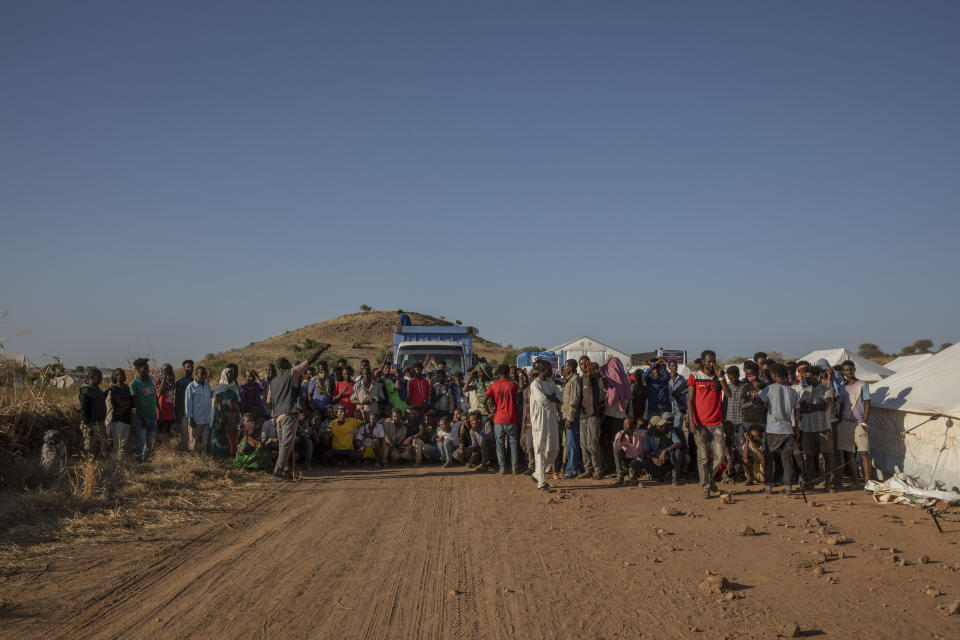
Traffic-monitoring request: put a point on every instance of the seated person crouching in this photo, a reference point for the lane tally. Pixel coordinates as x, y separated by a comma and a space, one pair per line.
344, 445
303, 445
251, 455
388, 438
448, 442
425, 440
479, 444
269, 440
628, 452
663, 449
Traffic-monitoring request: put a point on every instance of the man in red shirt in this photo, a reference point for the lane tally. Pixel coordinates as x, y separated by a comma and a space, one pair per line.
706, 389
418, 390
503, 394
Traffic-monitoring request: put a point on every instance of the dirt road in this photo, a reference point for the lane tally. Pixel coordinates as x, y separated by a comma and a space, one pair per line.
423, 553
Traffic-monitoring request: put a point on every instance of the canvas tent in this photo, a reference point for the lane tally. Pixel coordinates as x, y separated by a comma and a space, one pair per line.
866, 370
915, 421
903, 362
593, 349
63, 382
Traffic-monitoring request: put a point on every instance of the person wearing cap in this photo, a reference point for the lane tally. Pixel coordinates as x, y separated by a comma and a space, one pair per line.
664, 449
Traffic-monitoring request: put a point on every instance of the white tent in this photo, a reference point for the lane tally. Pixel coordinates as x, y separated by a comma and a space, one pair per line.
915, 421
903, 362
63, 382
593, 349
866, 370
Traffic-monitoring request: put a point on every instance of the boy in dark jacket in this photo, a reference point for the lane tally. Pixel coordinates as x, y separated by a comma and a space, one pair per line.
93, 413
119, 414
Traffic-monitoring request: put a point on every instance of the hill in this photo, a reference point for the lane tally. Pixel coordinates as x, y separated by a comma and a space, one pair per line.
354, 336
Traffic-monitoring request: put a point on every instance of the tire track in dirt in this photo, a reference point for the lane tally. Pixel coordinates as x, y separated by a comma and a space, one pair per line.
375, 553
95, 609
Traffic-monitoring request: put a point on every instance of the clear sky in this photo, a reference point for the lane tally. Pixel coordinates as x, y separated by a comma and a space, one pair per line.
178, 178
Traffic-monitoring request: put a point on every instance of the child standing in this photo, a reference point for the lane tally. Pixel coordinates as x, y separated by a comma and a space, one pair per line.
782, 433
93, 414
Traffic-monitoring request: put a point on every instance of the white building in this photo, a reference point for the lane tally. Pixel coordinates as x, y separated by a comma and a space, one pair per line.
593, 349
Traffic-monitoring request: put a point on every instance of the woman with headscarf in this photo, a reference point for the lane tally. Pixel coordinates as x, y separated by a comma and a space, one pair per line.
226, 414
617, 400
250, 453
166, 400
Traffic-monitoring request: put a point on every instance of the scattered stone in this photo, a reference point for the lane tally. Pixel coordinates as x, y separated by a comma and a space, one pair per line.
903, 562
831, 580
819, 571
924, 560
815, 504
714, 584
933, 593
747, 531
454, 592
667, 510
832, 540
826, 551
658, 560
841, 554
894, 550
821, 557
791, 630
953, 608
726, 498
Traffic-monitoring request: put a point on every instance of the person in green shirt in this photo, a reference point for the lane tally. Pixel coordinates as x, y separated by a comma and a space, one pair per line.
143, 389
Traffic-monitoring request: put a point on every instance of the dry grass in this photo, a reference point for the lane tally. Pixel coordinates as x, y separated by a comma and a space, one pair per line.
26, 413
96, 501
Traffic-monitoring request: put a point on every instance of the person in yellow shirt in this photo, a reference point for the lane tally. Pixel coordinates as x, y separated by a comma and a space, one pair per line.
344, 445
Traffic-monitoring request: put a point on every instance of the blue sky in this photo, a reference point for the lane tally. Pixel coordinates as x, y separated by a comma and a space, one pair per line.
180, 178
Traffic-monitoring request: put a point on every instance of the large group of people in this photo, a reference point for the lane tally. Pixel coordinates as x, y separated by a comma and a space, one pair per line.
590, 421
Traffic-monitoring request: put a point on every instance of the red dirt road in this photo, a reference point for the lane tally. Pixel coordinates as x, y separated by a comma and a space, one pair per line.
423, 553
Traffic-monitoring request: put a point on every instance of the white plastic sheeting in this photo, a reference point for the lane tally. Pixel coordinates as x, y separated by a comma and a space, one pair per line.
902, 489
921, 446
903, 362
931, 386
866, 370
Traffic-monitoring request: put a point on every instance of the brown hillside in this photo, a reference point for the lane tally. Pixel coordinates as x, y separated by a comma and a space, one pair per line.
370, 331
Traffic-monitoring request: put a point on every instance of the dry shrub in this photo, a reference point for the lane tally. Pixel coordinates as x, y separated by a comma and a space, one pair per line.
26, 413
103, 500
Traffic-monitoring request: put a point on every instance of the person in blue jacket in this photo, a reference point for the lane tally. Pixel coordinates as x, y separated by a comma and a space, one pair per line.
658, 388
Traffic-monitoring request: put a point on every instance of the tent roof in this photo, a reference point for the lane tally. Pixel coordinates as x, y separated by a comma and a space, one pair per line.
901, 363
866, 370
927, 387
571, 346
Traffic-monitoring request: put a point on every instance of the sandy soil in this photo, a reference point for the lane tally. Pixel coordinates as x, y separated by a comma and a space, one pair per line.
423, 553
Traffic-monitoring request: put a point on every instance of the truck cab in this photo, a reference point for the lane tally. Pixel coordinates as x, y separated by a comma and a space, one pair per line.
431, 344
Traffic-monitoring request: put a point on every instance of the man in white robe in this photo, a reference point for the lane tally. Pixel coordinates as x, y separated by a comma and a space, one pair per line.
545, 396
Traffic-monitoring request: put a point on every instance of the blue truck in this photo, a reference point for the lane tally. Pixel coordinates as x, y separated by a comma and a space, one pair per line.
431, 344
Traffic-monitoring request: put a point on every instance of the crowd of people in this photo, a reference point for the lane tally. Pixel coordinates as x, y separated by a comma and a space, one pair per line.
590, 421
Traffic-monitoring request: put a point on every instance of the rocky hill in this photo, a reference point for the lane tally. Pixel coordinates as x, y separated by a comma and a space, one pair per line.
353, 336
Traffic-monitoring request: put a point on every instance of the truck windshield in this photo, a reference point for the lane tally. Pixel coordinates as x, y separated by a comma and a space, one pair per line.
430, 357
